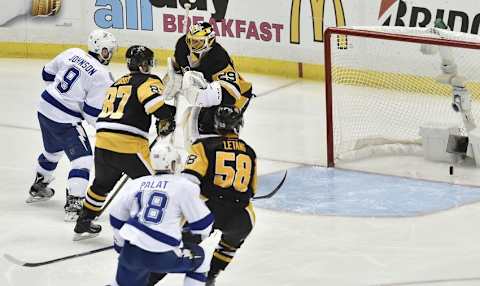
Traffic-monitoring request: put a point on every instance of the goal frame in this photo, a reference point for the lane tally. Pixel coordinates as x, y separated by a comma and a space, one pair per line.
358, 32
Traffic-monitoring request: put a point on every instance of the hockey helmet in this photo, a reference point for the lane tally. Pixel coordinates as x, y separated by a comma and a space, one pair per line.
228, 119
140, 58
164, 157
103, 44
200, 37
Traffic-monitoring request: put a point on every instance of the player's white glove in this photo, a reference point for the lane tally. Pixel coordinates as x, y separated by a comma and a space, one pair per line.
172, 81
198, 92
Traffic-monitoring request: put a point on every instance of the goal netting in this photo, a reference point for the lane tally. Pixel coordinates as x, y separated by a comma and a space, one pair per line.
381, 87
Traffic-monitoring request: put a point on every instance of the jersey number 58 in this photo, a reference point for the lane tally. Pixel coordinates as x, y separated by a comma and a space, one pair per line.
232, 170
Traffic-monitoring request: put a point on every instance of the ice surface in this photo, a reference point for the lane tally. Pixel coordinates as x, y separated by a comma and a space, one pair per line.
285, 127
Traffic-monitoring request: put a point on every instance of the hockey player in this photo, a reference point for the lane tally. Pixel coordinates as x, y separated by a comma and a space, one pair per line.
76, 84
147, 217
225, 167
122, 132
197, 56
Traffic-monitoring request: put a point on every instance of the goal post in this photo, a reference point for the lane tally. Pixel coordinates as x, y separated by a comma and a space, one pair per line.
381, 88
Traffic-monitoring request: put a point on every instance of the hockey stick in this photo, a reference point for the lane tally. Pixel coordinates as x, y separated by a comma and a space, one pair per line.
274, 191
36, 264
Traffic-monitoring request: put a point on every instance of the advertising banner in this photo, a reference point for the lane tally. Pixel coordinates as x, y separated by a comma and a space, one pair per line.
286, 30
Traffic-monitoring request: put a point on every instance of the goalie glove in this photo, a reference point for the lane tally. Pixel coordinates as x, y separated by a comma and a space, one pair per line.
198, 92
172, 81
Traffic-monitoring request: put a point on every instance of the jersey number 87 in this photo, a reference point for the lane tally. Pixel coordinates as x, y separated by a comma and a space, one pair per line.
113, 93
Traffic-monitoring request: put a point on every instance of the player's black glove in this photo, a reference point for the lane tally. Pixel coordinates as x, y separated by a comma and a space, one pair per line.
165, 126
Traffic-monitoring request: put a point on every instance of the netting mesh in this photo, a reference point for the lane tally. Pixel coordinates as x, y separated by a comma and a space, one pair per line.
384, 90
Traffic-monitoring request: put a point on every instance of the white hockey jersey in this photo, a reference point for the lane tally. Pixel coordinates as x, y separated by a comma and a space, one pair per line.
76, 85
149, 212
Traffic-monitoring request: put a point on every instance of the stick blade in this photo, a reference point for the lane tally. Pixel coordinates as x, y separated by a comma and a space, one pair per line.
14, 260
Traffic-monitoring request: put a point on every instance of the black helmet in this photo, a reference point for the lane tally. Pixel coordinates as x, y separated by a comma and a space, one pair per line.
228, 119
140, 56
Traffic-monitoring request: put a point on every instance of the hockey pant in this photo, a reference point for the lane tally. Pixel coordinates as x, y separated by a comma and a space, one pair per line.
136, 264
71, 139
235, 222
109, 168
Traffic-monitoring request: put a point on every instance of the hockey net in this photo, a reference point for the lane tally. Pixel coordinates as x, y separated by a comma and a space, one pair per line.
380, 87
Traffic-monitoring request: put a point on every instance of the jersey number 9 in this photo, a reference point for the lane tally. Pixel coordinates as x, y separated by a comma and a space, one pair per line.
69, 79
227, 176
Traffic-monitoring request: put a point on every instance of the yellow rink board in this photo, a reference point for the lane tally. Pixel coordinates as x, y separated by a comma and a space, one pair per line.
373, 79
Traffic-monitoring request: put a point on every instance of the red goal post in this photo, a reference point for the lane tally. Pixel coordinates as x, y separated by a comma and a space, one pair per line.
340, 38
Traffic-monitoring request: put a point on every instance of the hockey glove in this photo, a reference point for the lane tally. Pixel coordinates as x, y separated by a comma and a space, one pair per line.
165, 126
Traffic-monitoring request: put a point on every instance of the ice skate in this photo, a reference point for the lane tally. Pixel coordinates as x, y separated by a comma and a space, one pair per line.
72, 207
39, 191
85, 229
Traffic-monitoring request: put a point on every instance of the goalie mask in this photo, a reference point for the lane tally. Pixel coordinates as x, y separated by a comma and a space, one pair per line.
140, 58
228, 119
200, 38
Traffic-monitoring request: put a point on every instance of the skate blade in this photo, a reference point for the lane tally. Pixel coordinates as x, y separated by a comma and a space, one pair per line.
84, 236
30, 200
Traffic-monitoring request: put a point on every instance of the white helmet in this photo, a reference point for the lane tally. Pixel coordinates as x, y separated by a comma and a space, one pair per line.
102, 43
164, 157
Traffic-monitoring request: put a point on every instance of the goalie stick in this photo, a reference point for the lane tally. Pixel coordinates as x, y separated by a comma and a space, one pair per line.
19, 262
274, 191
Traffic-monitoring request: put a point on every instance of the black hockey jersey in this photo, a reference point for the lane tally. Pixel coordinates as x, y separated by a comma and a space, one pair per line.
215, 65
226, 168
127, 112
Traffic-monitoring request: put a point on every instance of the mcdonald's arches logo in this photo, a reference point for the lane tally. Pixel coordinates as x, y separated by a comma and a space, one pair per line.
318, 18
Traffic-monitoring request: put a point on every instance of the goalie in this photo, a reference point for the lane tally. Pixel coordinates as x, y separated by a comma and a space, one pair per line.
208, 78
461, 101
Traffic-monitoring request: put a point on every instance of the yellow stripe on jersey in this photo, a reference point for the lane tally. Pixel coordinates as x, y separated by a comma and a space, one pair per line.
251, 213
121, 143
154, 107
254, 179
241, 102
197, 160
150, 87
230, 74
